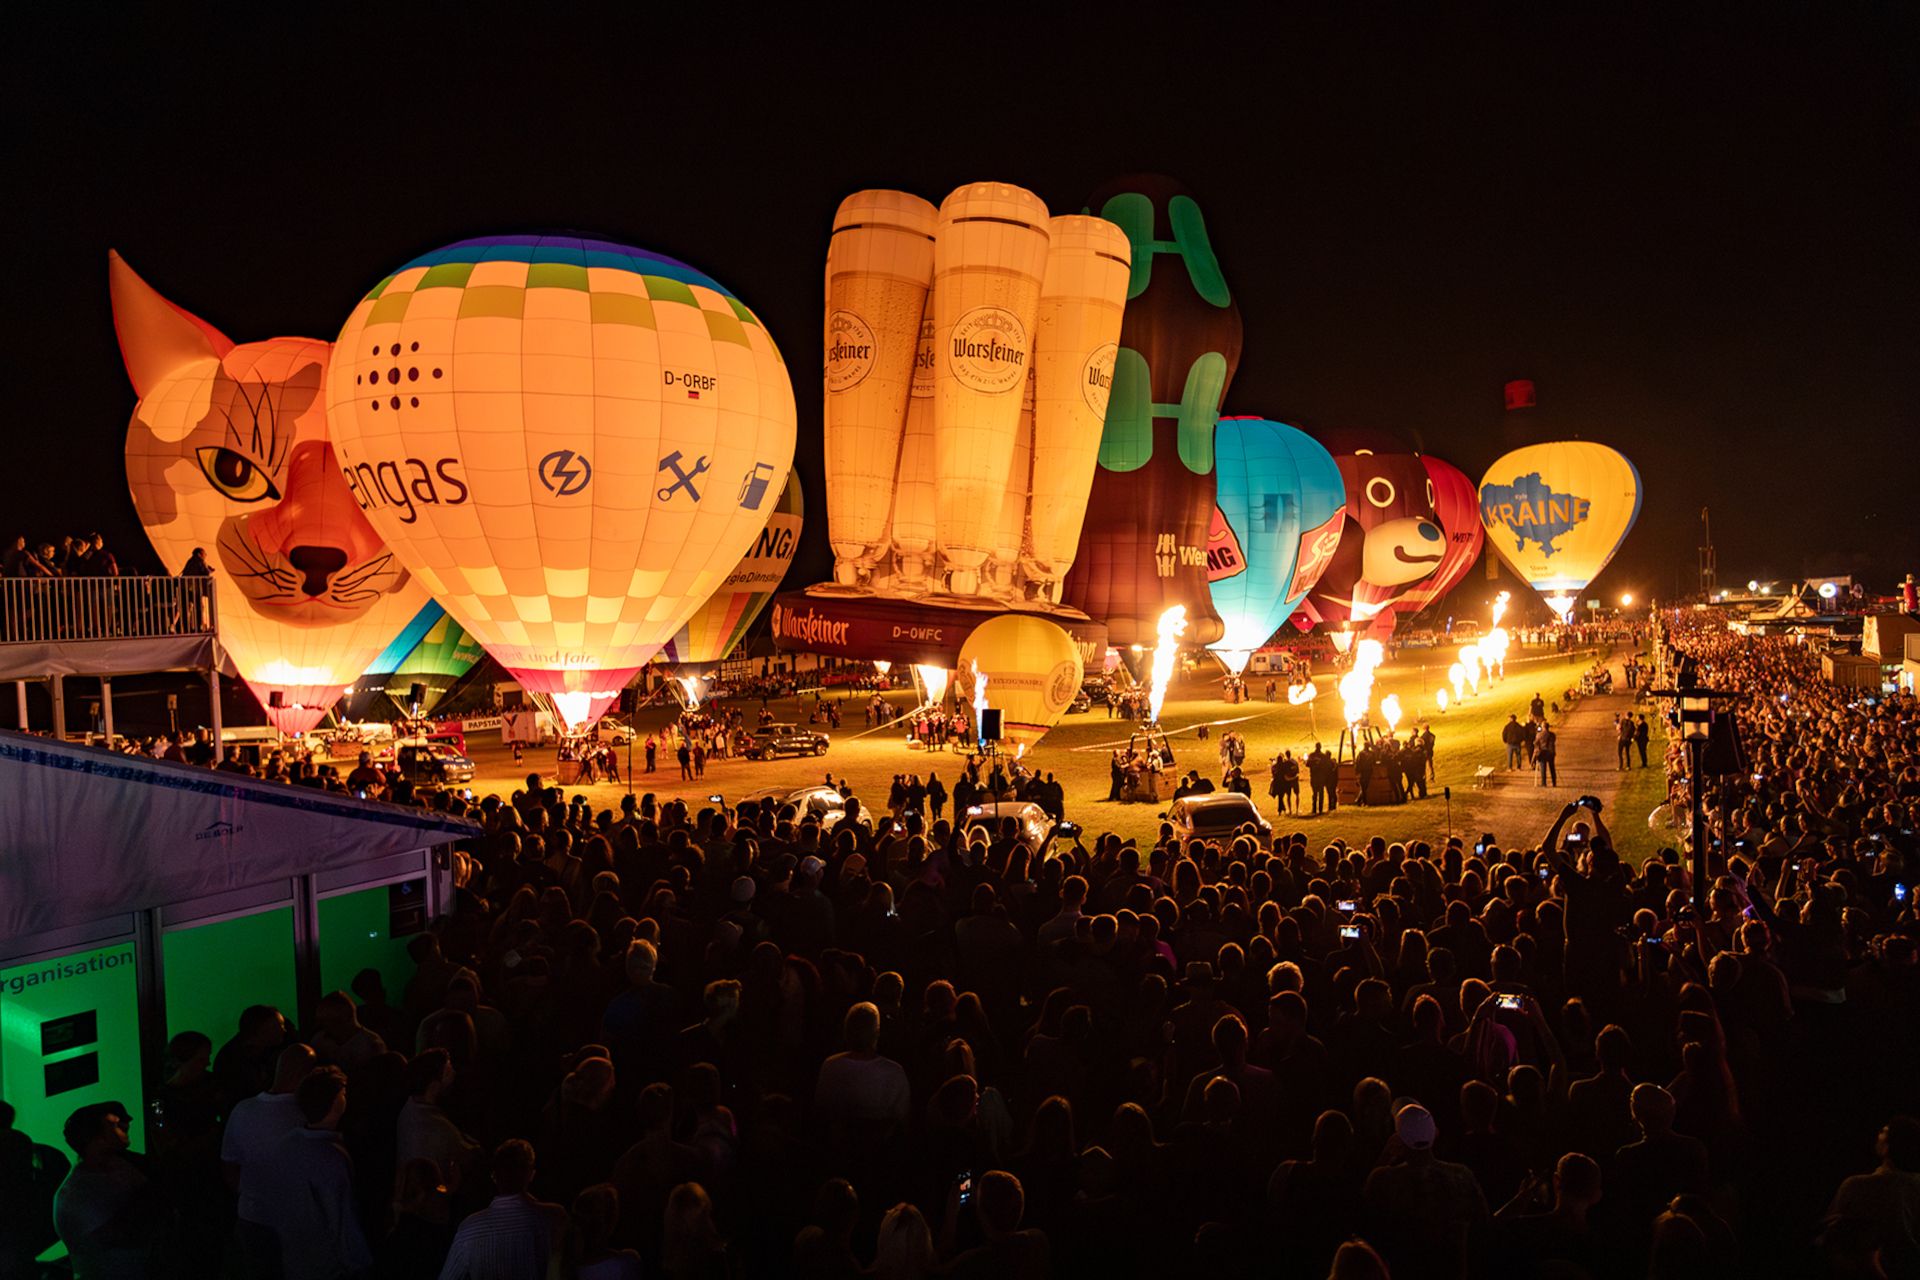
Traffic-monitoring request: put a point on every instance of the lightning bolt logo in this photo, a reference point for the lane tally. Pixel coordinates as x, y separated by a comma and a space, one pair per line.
565, 472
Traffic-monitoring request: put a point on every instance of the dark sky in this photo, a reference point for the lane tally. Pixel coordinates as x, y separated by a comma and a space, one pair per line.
1695, 231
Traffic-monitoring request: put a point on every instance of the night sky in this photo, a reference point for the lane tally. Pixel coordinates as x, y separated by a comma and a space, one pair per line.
1695, 233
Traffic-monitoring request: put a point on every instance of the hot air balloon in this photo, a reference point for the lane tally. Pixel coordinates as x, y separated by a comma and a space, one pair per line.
989, 257
1082, 301
719, 624
1143, 548
1556, 513
443, 654
1457, 506
1033, 674
228, 451
1391, 541
570, 442
879, 268
914, 525
1281, 503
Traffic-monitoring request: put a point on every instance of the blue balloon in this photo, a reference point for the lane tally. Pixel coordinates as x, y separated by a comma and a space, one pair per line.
1279, 498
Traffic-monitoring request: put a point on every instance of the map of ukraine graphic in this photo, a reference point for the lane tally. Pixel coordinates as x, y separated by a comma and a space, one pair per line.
1533, 510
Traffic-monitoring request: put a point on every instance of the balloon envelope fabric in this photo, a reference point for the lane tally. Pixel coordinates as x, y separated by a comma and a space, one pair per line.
1281, 498
572, 443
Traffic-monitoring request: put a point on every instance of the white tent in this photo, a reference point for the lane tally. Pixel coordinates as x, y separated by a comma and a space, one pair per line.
88, 833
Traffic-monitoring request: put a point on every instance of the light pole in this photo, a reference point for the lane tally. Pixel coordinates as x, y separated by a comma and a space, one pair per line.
1696, 727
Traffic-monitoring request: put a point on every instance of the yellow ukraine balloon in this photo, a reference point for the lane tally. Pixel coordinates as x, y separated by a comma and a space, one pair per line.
227, 451
1032, 669
571, 443
1557, 512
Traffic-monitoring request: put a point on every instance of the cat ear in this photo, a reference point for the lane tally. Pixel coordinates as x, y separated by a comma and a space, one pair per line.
156, 337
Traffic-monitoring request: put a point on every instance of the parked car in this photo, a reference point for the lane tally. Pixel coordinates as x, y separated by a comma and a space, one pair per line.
785, 740
433, 764
1096, 690
614, 731
1034, 823
1081, 702
1216, 816
824, 804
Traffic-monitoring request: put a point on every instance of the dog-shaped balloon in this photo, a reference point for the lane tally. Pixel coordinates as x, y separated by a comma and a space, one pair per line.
1391, 540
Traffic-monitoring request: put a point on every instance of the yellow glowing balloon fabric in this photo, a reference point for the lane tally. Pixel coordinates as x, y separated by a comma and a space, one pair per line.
1557, 512
1082, 299
570, 442
1033, 673
989, 256
879, 267
719, 624
227, 451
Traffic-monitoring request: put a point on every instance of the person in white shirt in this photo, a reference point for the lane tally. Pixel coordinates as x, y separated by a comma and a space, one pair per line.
304, 1189
424, 1131
860, 1087
512, 1238
256, 1124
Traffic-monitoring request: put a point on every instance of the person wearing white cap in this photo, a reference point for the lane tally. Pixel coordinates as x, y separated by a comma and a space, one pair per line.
1428, 1215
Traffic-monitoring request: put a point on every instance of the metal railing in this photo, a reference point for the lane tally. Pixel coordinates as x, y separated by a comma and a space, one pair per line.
46, 610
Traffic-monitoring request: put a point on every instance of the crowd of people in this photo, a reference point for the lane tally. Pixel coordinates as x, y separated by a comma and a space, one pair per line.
705, 1042
81, 556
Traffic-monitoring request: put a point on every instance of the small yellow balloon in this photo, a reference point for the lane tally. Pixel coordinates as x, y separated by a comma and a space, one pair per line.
1033, 671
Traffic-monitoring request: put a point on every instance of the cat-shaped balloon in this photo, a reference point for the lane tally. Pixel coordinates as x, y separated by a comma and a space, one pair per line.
227, 450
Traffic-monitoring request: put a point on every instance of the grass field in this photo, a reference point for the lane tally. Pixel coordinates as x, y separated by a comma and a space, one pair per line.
1078, 750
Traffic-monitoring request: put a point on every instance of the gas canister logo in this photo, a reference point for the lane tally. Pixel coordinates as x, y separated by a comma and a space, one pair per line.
850, 351
1096, 378
988, 350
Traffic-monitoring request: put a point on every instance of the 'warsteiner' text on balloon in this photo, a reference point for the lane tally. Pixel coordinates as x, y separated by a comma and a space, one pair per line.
404, 483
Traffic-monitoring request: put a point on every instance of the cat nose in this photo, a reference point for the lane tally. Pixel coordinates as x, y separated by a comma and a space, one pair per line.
316, 566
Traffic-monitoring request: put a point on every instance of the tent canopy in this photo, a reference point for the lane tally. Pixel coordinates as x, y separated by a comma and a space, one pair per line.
90, 833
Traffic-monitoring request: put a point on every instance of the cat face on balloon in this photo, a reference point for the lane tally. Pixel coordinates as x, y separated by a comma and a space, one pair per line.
228, 450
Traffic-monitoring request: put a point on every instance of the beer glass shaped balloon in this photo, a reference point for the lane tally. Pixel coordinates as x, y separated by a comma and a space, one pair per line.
915, 525
879, 267
571, 442
228, 451
1143, 545
1082, 302
989, 257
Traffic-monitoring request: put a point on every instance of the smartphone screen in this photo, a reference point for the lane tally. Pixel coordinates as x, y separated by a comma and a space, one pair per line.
1509, 1002
966, 1188
1346, 905
1350, 931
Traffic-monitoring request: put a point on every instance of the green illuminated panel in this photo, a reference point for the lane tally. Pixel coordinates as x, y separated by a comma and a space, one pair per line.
71, 1026
356, 932
214, 971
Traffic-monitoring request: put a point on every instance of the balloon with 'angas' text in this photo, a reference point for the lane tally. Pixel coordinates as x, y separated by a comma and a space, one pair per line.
570, 442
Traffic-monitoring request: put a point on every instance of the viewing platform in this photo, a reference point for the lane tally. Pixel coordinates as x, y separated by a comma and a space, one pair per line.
52, 628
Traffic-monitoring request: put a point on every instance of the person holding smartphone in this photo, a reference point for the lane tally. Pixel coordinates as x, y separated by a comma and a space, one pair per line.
1596, 887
